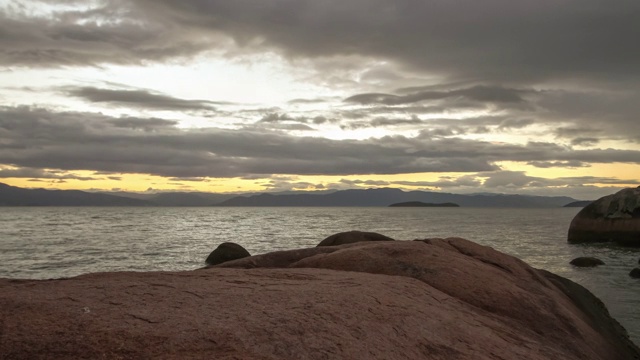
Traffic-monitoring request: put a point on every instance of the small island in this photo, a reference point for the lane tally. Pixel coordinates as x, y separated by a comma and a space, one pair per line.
423, 204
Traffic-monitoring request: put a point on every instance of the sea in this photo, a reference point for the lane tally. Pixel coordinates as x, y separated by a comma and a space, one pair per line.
60, 242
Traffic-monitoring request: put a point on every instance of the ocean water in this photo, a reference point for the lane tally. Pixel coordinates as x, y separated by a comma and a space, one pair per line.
43, 242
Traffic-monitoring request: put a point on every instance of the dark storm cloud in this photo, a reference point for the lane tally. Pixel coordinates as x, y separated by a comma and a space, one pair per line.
40, 138
495, 39
139, 99
491, 41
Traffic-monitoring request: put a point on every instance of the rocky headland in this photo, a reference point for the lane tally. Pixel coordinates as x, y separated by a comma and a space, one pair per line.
427, 299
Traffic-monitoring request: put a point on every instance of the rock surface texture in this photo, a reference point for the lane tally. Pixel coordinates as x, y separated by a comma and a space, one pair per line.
613, 218
428, 299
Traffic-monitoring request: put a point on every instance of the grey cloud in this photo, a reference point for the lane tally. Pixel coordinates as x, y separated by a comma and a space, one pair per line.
477, 93
515, 123
139, 99
275, 117
307, 101
39, 138
116, 33
517, 182
142, 124
499, 39
364, 182
496, 41
585, 141
26, 173
471, 181
563, 164
189, 179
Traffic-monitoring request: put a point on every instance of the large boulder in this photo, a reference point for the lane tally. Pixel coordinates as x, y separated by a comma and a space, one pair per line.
430, 299
613, 218
350, 237
586, 261
226, 251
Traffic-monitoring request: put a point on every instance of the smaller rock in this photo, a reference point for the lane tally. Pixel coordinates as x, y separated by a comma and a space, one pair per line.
635, 273
354, 236
226, 251
586, 261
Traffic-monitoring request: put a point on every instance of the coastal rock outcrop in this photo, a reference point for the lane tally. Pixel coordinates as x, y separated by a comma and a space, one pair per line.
428, 299
586, 261
226, 251
349, 237
635, 273
613, 218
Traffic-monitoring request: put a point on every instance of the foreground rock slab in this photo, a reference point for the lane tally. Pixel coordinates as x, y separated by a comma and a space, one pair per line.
612, 218
430, 299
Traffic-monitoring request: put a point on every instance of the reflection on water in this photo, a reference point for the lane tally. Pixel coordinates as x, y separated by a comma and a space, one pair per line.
43, 243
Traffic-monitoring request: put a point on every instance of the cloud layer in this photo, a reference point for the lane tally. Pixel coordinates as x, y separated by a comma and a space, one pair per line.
407, 87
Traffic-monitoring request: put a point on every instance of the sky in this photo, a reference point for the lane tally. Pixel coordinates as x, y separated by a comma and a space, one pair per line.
463, 96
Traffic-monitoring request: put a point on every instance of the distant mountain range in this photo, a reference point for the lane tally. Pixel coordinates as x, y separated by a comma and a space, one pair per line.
386, 197
15, 196
422, 204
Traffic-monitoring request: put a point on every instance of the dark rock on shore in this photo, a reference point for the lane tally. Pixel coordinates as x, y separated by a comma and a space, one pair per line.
614, 218
635, 273
429, 299
226, 251
586, 261
349, 237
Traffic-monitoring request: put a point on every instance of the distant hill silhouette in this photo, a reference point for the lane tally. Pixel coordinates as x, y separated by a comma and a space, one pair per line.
386, 196
422, 204
580, 203
15, 196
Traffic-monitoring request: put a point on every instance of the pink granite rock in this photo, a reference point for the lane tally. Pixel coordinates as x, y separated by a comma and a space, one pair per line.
430, 299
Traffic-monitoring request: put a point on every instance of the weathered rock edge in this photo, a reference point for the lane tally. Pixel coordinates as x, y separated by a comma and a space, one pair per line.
430, 299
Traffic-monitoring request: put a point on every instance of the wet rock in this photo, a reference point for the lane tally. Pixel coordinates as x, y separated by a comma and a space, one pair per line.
635, 273
349, 237
586, 261
226, 251
613, 218
430, 299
